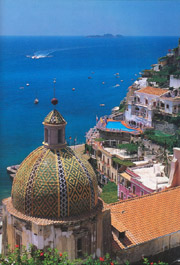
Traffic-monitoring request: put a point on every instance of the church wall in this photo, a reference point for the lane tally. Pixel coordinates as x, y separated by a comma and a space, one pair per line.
93, 232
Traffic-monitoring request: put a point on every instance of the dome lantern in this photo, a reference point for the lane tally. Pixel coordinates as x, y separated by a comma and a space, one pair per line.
54, 127
54, 130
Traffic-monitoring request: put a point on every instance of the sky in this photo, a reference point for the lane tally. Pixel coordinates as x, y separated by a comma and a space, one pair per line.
89, 17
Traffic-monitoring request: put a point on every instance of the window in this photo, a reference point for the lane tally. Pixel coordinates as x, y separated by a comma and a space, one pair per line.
128, 184
121, 235
134, 189
122, 195
112, 175
79, 248
108, 161
146, 101
142, 192
46, 135
59, 136
18, 239
83, 244
167, 106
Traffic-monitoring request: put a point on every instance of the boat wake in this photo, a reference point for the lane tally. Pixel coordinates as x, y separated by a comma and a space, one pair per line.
48, 53
41, 54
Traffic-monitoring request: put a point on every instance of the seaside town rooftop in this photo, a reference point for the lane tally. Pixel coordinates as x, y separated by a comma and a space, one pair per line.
151, 176
153, 90
146, 218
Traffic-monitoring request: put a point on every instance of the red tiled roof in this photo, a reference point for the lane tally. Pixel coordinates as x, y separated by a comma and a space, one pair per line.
152, 91
147, 217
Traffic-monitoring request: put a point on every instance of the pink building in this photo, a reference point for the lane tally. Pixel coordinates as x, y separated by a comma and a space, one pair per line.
142, 180
174, 178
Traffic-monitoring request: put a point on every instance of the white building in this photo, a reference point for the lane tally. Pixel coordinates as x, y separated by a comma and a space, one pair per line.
146, 101
174, 82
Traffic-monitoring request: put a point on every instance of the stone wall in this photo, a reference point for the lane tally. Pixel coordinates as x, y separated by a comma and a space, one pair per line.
165, 127
121, 136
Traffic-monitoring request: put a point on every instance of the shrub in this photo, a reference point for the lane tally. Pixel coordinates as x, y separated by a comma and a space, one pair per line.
131, 148
49, 257
109, 193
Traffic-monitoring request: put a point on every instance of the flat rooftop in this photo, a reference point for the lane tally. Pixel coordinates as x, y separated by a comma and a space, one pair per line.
119, 152
152, 177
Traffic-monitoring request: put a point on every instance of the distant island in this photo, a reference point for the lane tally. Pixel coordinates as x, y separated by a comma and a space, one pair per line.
105, 36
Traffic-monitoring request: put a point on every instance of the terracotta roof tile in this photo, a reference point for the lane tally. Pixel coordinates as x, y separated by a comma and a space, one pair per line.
148, 217
152, 91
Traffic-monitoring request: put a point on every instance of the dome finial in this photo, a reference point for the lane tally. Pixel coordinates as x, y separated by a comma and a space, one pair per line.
54, 100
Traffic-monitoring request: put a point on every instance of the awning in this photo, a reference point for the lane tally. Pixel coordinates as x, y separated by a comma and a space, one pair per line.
126, 176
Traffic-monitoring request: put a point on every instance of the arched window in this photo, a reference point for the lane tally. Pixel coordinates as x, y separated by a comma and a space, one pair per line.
46, 135
59, 136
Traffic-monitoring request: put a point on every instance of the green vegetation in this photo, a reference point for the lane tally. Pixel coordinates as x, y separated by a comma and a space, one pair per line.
130, 148
165, 140
49, 257
109, 193
163, 58
169, 119
88, 148
100, 139
126, 163
122, 106
162, 77
161, 81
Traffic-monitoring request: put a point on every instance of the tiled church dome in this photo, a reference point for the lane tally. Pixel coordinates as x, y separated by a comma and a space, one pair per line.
54, 183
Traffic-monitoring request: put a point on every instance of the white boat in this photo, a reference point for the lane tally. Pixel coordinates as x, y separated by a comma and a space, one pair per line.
102, 105
103, 82
27, 84
36, 101
117, 85
73, 89
122, 80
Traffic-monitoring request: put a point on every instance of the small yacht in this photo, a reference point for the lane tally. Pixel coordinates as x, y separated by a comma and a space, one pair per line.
89, 77
27, 84
103, 82
36, 101
73, 89
102, 105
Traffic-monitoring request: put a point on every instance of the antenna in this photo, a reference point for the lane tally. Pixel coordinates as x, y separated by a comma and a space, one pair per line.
54, 101
54, 81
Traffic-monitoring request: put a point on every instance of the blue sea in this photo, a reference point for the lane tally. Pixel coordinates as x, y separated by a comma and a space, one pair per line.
71, 60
